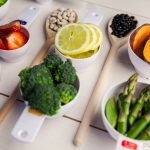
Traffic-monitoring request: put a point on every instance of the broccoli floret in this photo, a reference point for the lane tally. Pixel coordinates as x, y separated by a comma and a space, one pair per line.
38, 75
24, 74
65, 73
67, 92
52, 61
46, 99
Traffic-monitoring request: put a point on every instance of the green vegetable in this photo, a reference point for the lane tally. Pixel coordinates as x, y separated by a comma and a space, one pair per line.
124, 103
119, 102
46, 99
139, 126
133, 101
52, 61
66, 92
40, 88
66, 73
2, 2
111, 111
145, 135
137, 108
131, 85
38, 75
146, 107
24, 74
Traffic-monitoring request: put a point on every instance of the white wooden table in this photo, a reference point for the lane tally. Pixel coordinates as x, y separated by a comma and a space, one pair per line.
58, 134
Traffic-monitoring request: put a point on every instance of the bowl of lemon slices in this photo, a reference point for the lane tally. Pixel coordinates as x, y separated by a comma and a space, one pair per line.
80, 42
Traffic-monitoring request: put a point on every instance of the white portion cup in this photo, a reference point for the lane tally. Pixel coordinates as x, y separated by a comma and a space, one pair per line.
114, 91
141, 66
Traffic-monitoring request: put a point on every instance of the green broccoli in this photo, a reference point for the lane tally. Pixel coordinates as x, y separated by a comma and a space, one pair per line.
49, 85
52, 61
46, 99
38, 75
65, 73
67, 92
24, 76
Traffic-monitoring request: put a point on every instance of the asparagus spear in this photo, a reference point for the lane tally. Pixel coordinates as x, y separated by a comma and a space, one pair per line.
131, 85
145, 135
129, 90
133, 101
119, 101
124, 104
144, 96
122, 122
139, 126
111, 111
146, 107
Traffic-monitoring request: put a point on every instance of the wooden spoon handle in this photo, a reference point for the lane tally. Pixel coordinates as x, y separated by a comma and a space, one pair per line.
38, 58
93, 105
43, 52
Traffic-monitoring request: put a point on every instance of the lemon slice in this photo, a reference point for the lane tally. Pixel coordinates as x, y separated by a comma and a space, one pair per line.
99, 36
93, 37
72, 39
84, 55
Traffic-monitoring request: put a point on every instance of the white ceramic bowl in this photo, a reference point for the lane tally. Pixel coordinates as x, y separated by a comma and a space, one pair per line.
28, 125
114, 91
142, 67
80, 63
4, 9
16, 54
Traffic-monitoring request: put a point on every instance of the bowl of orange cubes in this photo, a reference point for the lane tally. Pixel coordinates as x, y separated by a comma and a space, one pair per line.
139, 50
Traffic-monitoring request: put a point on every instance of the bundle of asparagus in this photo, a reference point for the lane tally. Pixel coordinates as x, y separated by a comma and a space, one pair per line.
129, 115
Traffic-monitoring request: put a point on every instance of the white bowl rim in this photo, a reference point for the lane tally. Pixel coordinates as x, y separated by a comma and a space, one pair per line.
131, 50
63, 106
79, 59
104, 116
20, 48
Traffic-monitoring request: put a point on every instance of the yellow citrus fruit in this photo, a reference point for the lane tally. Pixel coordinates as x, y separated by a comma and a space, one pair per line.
72, 39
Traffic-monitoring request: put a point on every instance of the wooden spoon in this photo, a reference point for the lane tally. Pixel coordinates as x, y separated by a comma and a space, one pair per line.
93, 105
50, 34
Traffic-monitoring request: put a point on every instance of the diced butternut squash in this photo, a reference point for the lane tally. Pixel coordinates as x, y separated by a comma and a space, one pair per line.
146, 51
141, 36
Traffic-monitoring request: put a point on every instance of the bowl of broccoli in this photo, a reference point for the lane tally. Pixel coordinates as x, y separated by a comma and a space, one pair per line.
4, 7
51, 89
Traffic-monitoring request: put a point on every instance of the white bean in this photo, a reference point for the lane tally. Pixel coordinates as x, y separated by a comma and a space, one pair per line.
71, 19
54, 14
60, 13
64, 21
55, 28
53, 20
59, 17
72, 14
61, 9
52, 26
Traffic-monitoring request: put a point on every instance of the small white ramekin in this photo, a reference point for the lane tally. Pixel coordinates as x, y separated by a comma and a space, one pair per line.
141, 66
16, 54
114, 91
80, 63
